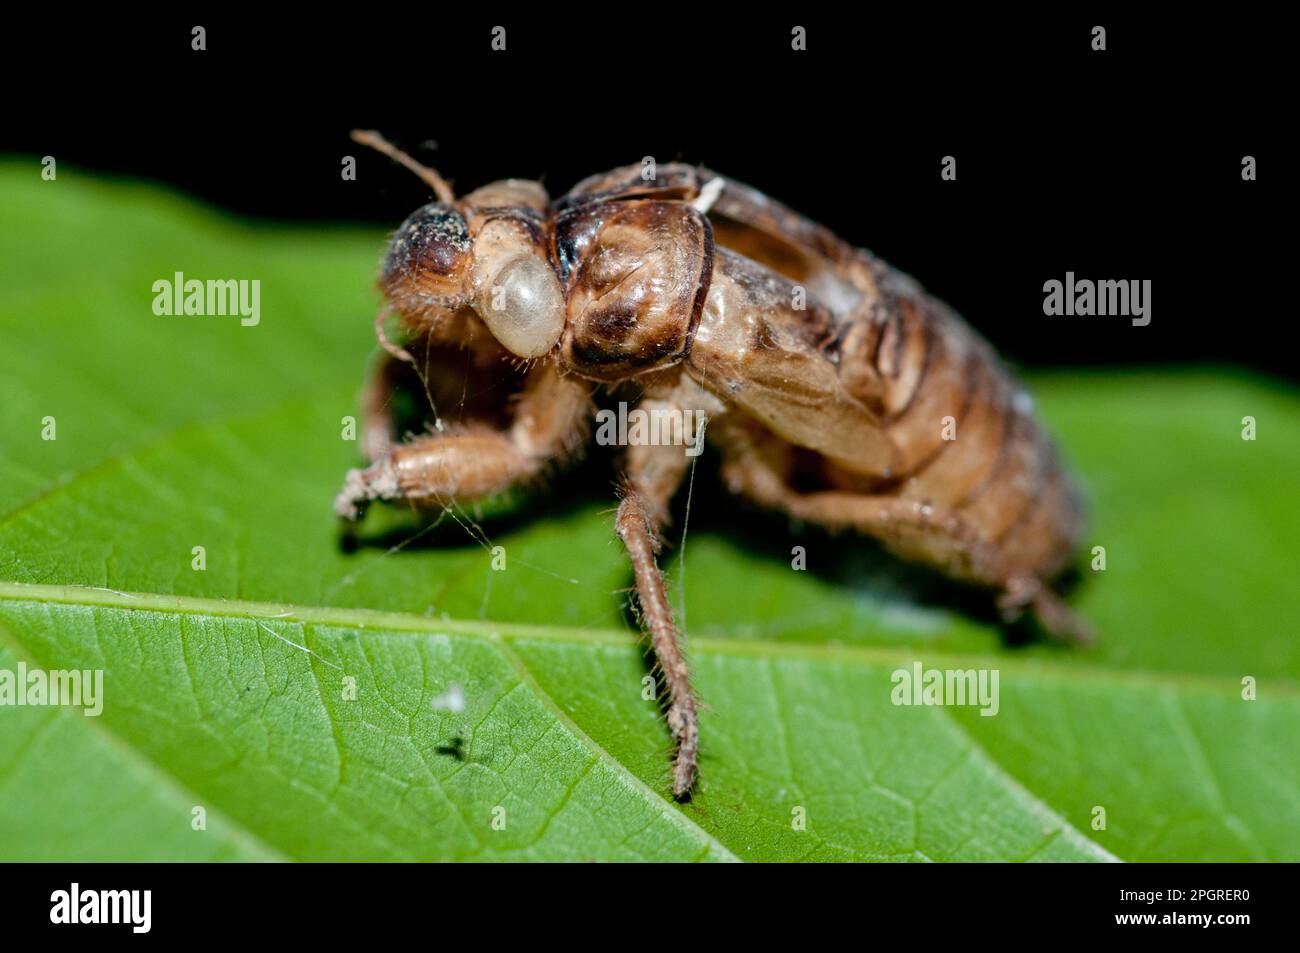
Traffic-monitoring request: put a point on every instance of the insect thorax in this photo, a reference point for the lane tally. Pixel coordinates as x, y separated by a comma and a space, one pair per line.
636, 275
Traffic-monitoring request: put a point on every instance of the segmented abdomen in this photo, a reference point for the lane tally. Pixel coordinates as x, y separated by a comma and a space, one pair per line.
967, 433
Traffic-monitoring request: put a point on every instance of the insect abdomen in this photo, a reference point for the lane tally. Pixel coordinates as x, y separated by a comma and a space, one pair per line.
968, 438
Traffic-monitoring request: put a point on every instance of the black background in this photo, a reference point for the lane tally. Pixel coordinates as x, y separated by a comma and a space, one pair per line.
1122, 164
1117, 164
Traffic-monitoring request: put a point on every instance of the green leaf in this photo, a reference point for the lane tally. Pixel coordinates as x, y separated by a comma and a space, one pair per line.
228, 689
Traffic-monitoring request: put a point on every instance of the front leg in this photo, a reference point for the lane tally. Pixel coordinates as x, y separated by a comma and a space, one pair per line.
378, 429
548, 425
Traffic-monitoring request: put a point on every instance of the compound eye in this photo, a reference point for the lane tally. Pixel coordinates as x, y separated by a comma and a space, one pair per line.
523, 306
430, 252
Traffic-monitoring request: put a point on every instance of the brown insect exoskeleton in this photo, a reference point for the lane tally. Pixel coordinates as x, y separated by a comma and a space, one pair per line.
834, 387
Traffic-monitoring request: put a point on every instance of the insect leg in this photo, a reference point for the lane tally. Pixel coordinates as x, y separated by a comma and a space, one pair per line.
549, 424
653, 475
1023, 592
378, 426
913, 529
940, 537
636, 527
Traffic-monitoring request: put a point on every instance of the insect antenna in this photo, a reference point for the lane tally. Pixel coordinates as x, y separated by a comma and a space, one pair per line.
430, 176
399, 352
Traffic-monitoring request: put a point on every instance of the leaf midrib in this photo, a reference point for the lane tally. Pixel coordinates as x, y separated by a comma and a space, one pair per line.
368, 619
123, 600
496, 633
526, 676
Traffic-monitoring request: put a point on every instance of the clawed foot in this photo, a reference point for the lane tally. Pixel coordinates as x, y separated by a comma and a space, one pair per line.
1053, 615
360, 487
684, 723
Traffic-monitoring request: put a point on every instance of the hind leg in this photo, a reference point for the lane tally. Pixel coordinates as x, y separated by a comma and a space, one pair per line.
912, 529
942, 538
